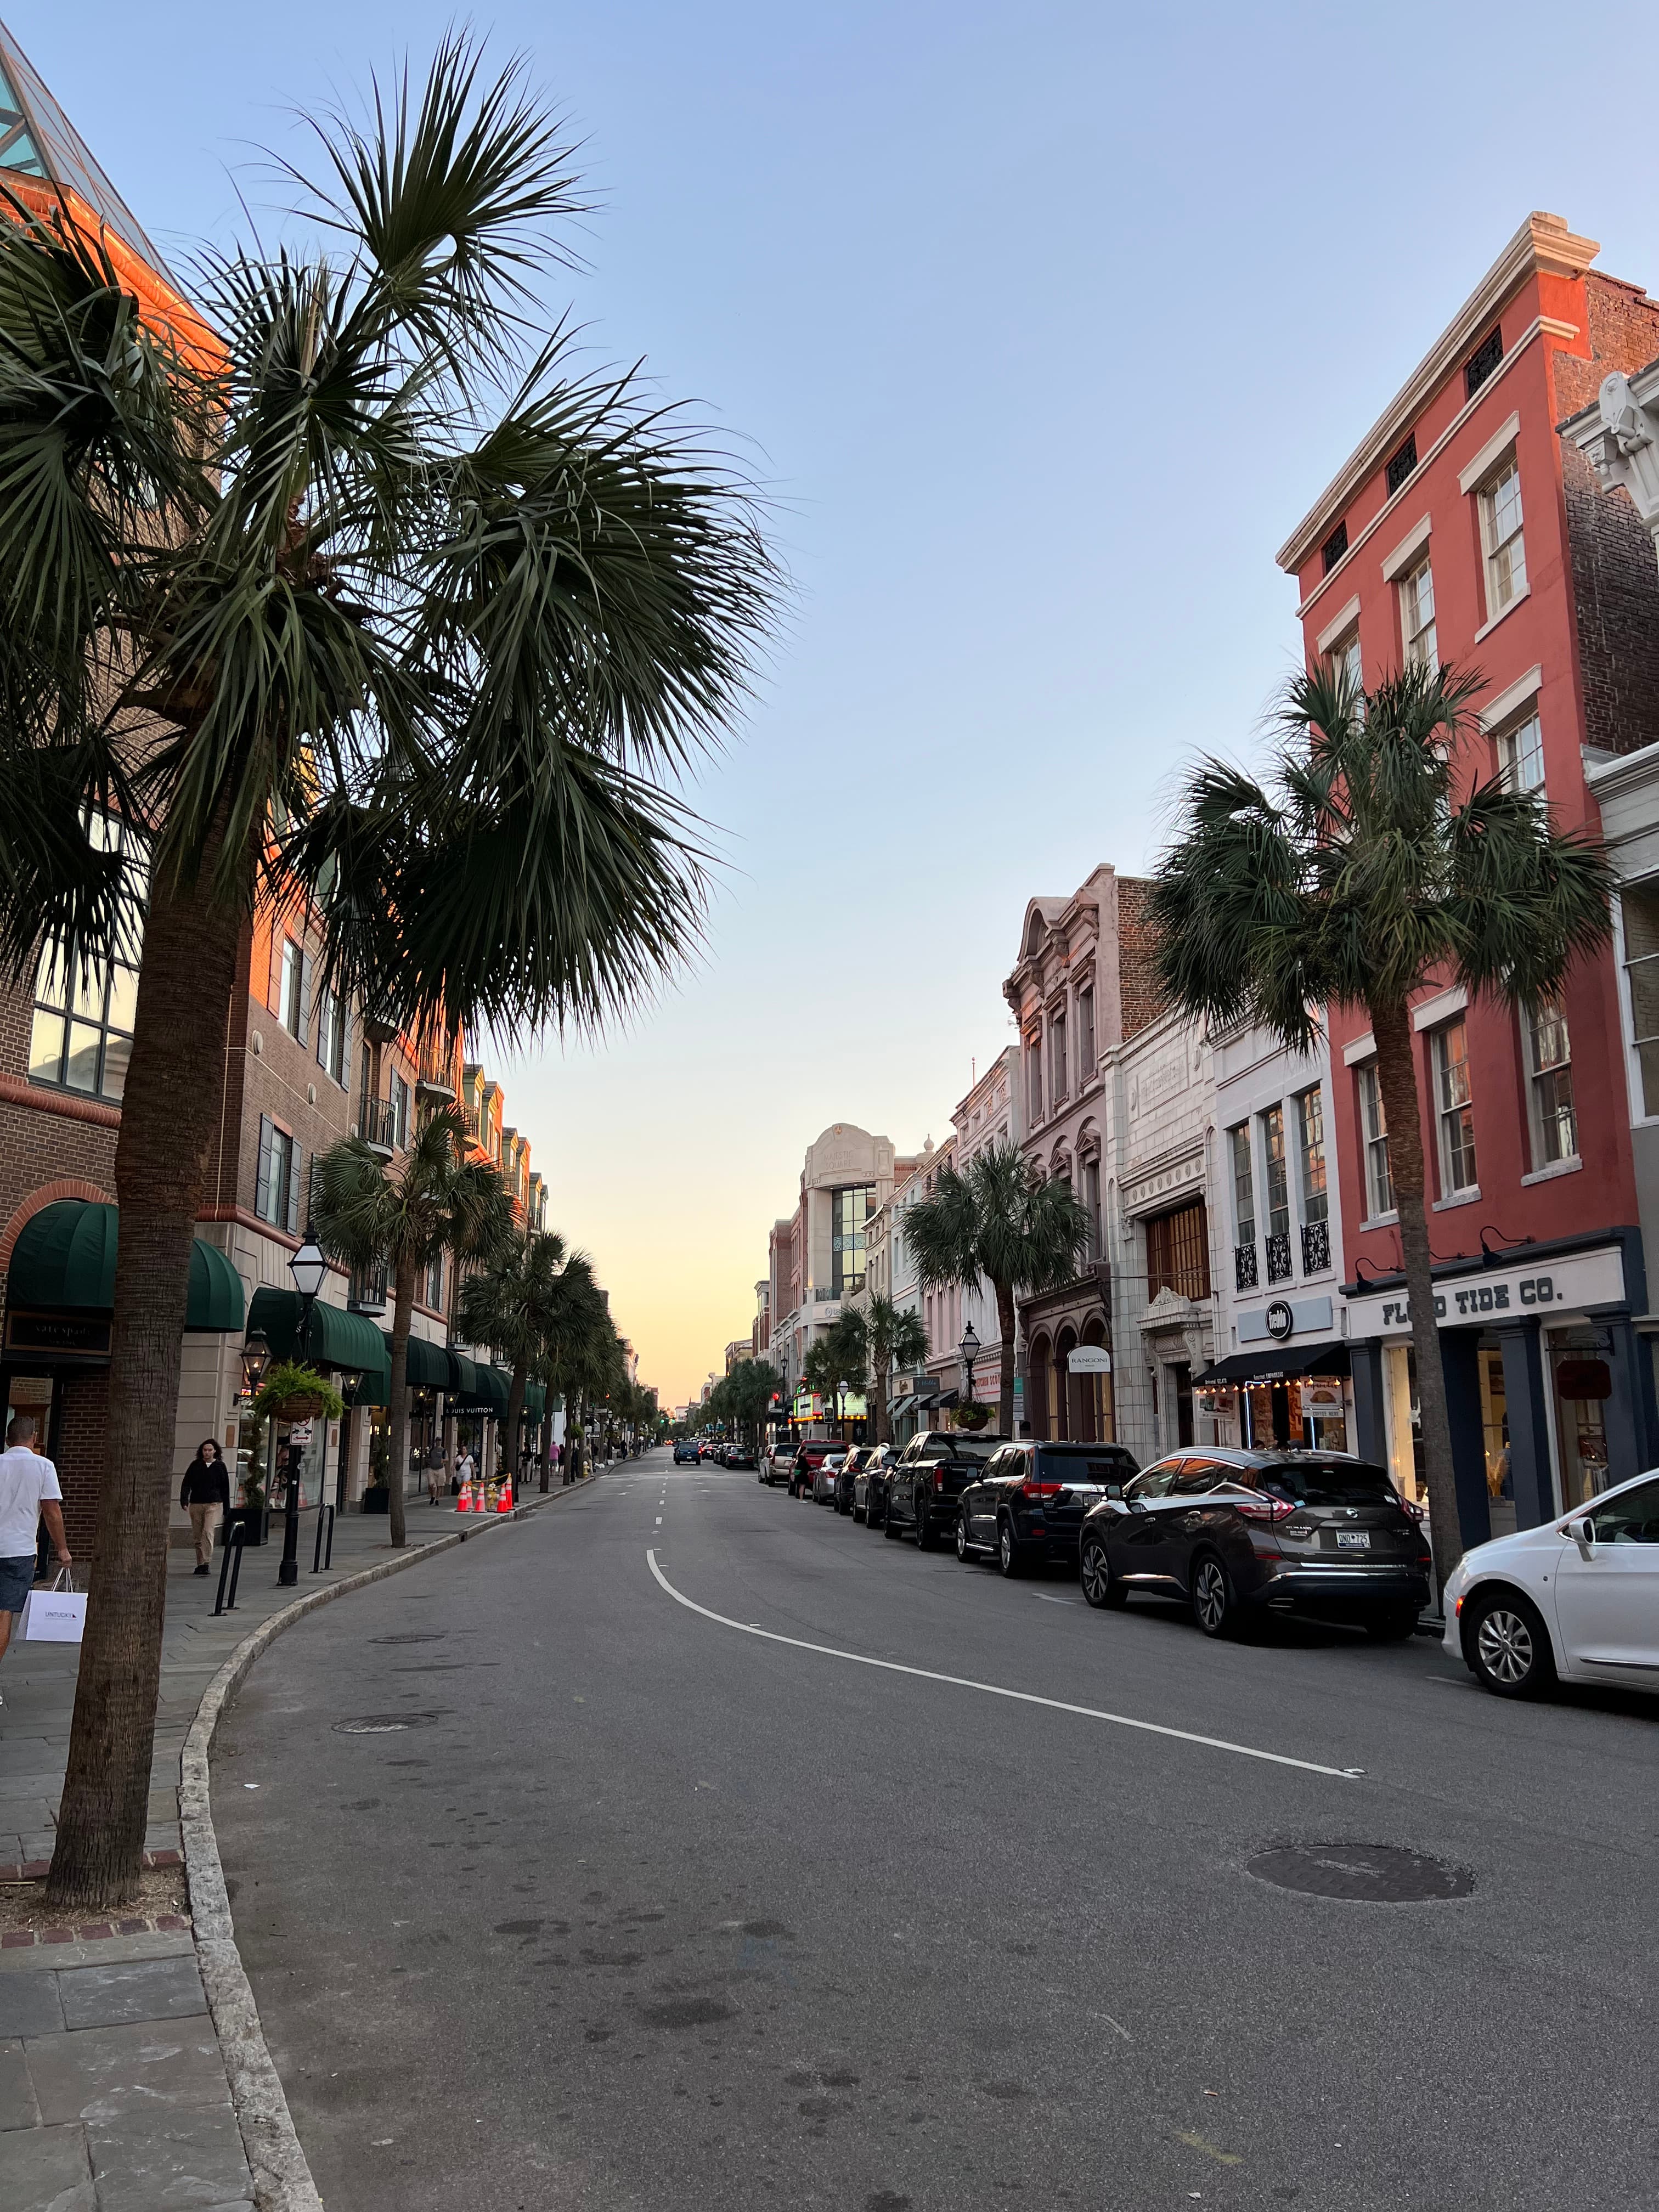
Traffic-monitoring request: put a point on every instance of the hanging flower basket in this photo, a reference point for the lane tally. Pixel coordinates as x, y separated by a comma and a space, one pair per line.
970, 1417
292, 1393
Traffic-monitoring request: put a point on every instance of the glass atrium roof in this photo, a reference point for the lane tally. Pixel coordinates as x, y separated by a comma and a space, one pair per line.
38, 139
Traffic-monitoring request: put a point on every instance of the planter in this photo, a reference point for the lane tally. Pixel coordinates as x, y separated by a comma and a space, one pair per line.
377, 1501
304, 1408
970, 1417
253, 1520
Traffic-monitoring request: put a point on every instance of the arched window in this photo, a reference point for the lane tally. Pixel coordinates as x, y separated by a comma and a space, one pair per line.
1037, 1380
1065, 1392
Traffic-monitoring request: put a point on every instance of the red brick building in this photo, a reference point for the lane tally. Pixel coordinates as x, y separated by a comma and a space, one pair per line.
1462, 528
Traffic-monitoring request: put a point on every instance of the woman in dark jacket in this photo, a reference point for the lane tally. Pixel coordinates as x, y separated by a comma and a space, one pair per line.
205, 1495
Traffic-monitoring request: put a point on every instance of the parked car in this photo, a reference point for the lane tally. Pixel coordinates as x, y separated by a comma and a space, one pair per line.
1027, 1504
778, 1465
927, 1478
706, 1450
1230, 1531
809, 1455
827, 1476
685, 1450
848, 1474
740, 1456
1576, 1600
870, 1484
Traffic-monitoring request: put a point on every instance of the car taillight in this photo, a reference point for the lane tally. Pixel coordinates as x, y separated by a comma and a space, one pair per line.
1414, 1510
1263, 1509
1041, 1489
939, 1478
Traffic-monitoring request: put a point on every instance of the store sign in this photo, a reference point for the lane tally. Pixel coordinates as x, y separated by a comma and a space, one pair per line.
1308, 1317
59, 1336
1321, 1395
1090, 1360
1560, 1286
1280, 1320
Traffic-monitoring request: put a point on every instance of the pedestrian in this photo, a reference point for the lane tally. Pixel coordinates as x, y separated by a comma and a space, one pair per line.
205, 1495
434, 1473
465, 1470
29, 1494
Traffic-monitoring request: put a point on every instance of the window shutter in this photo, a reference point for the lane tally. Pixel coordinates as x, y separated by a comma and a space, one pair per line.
274, 978
293, 1186
307, 991
262, 1179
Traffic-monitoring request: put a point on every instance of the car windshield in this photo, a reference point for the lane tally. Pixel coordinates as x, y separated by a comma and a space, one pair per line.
972, 1448
1327, 1482
1102, 1465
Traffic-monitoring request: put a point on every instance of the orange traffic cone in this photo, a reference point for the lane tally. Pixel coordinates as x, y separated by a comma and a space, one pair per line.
463, 1500
506, 1504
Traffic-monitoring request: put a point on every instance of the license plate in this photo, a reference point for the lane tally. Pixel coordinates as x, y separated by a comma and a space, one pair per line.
1352, 1539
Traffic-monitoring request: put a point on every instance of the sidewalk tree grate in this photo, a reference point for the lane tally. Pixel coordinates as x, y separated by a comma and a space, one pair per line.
383, 1724
1369, 1873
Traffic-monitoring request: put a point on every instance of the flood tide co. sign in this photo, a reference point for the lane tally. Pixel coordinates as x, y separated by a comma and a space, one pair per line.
1536, 1292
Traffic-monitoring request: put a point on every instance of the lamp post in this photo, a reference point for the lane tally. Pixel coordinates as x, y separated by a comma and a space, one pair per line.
970, 1350
308, 1267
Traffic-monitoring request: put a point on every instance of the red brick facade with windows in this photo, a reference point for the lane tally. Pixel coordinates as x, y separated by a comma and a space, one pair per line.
1576, 647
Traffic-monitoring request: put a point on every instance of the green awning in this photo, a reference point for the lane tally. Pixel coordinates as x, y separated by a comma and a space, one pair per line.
490, 1391
64, 1261
535, 1400
463, 1382
348, 1342
428, 1364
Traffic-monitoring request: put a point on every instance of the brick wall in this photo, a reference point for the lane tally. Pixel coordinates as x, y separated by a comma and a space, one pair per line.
1142, 988
1615, 576
79, 1455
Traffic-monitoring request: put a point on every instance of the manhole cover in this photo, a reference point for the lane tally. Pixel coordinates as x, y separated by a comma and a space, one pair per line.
382, 1724
415, 1636
1375, 1874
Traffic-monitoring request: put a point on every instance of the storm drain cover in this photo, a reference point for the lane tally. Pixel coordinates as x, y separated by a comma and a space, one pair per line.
382, 1724
1373, 1874
414, 1636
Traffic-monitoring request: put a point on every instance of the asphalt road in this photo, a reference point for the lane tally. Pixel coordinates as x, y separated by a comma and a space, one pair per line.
645, 1910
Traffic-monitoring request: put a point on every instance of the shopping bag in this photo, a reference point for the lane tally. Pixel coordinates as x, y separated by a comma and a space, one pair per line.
56, 1614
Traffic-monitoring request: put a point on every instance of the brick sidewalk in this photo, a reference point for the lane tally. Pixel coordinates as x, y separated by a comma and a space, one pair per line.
112, 2091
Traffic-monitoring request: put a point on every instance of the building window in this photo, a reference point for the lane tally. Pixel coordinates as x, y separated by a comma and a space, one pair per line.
276, 1184
1454, 1112
434, 1283
1344, 661
849, 1212
81, 1036
1334, 547
1278, 1195
1091, 1205
1549, 1055
1178, 1253
399, 1097
1033, 1076
1244, 1184
1521, 756
1482, 361
1057, 1055
1085, 1035
1503, 539
289, 1009
1401, 463
1638, 908
332, 1035
1374, 1132
1417, 617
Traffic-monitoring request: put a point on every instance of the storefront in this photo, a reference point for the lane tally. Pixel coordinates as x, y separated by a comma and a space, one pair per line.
1548, 1390
1286, 1385
348, 1347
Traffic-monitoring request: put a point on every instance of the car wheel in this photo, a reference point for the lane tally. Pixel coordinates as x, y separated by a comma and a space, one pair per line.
962, 1536
926, 1534
889, 1527
1508, 1646
1008, 1558
861, 1512
1100, 1586
1213, 1609
1393, 1625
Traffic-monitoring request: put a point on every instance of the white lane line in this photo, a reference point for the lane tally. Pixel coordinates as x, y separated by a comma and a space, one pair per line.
659, 1520
996, 1689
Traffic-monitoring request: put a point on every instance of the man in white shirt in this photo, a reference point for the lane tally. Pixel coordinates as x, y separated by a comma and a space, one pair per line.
29, 1494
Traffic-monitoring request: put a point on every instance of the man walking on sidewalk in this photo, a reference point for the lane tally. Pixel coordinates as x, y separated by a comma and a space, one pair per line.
205, 1495
29, 1494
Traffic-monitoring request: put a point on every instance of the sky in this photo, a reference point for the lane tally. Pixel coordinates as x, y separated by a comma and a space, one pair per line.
1042, 325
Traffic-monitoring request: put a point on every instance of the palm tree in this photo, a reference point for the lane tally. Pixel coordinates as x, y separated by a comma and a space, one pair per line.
518, 1303
435, 1200
582, 1358
894, 1337
320, 615
1368, 866
1001, 1220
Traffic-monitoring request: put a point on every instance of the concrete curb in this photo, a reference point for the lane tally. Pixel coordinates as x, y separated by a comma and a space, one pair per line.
281, 2178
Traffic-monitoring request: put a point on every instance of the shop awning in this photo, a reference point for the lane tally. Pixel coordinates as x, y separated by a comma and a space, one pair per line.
490, 1391
427, 1363
535, 1400
1278, 1363
64, 1261
348, 1342
463, 1382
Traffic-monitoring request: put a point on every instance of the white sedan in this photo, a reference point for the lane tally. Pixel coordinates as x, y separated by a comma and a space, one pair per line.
1576, 1600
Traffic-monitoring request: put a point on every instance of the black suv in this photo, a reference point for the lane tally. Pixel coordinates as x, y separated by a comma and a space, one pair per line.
870, 1484
927, 1479
1028, 1503
1232, 1530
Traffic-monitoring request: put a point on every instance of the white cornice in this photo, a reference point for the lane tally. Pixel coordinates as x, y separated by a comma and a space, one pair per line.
1542, 243
1408, 549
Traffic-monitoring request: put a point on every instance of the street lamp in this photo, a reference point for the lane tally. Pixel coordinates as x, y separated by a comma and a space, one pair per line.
256, 1357
307, 1266
970, 1350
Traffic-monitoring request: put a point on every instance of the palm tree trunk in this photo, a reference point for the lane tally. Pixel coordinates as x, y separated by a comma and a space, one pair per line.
191, 966
1396, 1076
514, 1417
881, 1372
1006, 1358
403, 1309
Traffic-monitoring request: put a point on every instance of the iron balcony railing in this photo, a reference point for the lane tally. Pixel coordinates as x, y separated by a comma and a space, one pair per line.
1315, 1247
1278, 1257
1244, 1274
377, 1124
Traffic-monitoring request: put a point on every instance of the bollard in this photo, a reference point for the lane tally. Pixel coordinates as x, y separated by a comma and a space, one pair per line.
318, 1561
234, 1544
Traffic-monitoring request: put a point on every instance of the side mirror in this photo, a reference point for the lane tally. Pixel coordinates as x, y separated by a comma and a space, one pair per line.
1580, 1533
1114, 1490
